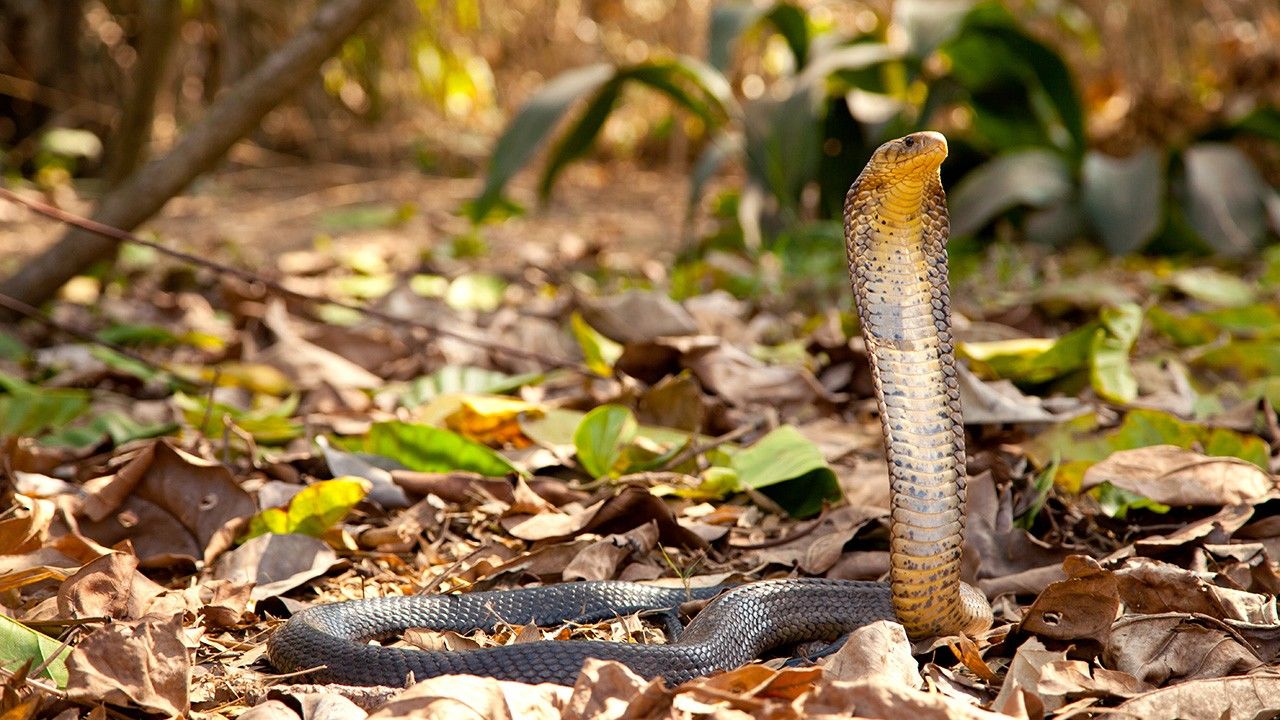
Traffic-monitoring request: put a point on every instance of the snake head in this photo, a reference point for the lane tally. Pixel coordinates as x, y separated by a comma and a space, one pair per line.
909, 156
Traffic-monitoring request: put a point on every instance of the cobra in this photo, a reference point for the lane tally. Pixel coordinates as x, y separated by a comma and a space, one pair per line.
896, 230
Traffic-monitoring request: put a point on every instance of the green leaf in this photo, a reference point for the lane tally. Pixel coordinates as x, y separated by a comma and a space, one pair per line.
729, 22
1124, 197
269, 425
1109, 369
20, 644
1214, 287
530, 127
599, 351
1226, 194
29, 410
578, 138
929, 23
790, 469
128, 334
1117, 502
316, 508
120, 428
366, 217
11, 348
463, 379
602, 439
430, 449
1037, 178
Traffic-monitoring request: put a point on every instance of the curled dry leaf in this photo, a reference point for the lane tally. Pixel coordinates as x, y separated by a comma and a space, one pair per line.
1023, 677
1176, 476
169, 504
628, 509
269, 710
467, 696
600, 560
1254, 696
637, 316
307, 364
1150, 586
276, 563
112, 587
140, 665
607, 689
881, 701
878, 652
1174, 647
742, 380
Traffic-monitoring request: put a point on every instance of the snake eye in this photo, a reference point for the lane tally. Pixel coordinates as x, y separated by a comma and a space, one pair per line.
909, 141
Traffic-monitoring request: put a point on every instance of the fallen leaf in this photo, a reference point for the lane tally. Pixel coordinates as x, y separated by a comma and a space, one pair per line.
1082, 607
112, 587
1255, 696
169, 504
1176, 647
1172, 475
140, 665
307, 364
608, 690
276, 563
637, 316
466, 696
878, 653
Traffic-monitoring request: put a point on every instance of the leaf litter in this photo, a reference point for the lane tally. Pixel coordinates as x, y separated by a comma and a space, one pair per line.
1124, 516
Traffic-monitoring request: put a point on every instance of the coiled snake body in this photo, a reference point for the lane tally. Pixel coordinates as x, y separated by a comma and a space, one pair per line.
896, 230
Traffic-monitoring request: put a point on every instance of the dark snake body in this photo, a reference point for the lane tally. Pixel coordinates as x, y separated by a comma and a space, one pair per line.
896, 232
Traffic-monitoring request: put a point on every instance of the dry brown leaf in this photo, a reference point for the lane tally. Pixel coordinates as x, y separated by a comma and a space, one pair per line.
880, 701
1023, 676
269, 710
1228, 698
276, 563
742, 380
1072, 679
466, 697
600, 560
675, 401
142, 665
1216, 528
328, 706
998, 402
608, 690
1150, 586
112, 587
630, 508
637, 316
306, 364
879, 652
1174, 647
1082, 607
990, 535
1176, 476
223, 603
27, 525
169, 504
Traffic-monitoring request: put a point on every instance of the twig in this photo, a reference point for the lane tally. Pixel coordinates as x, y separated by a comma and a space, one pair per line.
694, 451
22, 308
119, 235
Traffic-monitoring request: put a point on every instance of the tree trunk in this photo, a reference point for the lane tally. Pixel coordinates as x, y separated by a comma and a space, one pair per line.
129, 145
228, 119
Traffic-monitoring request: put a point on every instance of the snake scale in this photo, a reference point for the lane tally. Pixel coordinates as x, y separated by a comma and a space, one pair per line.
896, 230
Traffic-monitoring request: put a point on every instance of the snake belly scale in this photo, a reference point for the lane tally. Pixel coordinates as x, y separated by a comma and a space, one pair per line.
896, 230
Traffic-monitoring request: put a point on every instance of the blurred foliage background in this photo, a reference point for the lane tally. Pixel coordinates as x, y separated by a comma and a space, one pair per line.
1135, 126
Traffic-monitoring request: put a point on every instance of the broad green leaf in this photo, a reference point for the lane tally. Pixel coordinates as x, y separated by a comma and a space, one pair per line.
1214, 287
1245, 358
316, 508
1037, 178
790, 469
431, 449
129, 334
556, 427
1031, 360
1124, 197
602, 439
530, 127
577, 140
1109, 369
29, 410
1226, 195
1184, 330
599, 351
20, 644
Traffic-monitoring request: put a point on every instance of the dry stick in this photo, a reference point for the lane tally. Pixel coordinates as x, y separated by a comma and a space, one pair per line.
248, 276
22, 308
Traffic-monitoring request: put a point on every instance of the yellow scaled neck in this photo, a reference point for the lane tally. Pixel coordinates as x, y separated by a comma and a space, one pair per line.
902, 204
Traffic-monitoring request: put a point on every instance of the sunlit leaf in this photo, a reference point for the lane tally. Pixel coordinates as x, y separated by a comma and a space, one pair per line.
316, 508
366, 217
1214, 287
118, 427
929, 23
730, 21
463, 379
492, 420
602, 438
27, 409
431, 449
1124, 197
20, 645
790, 469
269, 425
476, 291
599, 351
1109, 369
